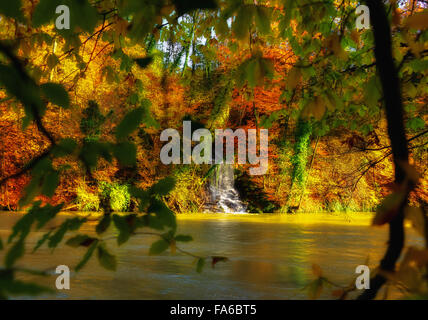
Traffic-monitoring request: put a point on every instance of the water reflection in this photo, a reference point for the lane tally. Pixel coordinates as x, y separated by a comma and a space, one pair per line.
270, 258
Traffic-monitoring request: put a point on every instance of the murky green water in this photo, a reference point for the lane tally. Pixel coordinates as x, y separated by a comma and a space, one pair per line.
270, 258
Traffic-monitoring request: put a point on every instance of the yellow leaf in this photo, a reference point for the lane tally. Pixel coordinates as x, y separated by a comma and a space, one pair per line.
388, 208
333, 43
167, 10
315, 289
416, 216
414, 257
411, 173
293, 78
314, 108
316, 270
173, 246
329, 101
337, 293
418, 21
355, 36
121, 26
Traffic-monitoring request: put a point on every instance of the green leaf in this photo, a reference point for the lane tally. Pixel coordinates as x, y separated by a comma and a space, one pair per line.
41, 241
419, 65
44, 12
16, 287
69, 224
106, 259
243, 21
86, 257
130, 123
14, 253
11, 9
200, 265
125, 153
123, 228
183, 238
144, 62
372, 93
64, 148
50, 183
103, 225
147, 116
56, 94
263, 19
163, 186
158, 247
52, 61
164, 216
46, 213
416, 123
80, 240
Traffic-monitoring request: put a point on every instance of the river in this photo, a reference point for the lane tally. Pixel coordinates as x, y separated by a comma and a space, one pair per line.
270, 257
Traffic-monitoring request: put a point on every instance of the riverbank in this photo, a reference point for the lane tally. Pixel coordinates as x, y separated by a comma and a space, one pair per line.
354, 218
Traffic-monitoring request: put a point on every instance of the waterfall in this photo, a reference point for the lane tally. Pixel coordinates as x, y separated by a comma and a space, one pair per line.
224, 196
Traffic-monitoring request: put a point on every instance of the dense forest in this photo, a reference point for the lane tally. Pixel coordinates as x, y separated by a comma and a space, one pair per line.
83, 108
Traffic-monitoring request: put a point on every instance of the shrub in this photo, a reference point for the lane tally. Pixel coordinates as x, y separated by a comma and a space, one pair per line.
86, 200
117, 194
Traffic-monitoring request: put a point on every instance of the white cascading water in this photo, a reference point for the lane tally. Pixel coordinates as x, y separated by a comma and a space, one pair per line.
224, 196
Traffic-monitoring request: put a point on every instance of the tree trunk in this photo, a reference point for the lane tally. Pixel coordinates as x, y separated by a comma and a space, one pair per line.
394, 114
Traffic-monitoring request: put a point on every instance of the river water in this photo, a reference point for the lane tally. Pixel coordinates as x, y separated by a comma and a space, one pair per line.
270, 257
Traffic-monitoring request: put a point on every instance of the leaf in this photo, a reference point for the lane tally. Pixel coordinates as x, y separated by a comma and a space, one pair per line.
56, 94
164, 216
17, 287
416, 123
200, 265
315, 288
123, 227
242, 22
69, 224
41, 241
338, 293
64, 148
129, 123
183, 238
371, 92
1, 244
163, 187
147, 116
418, 20
44, 12
416, 216
103, 225
158, 247
316, 270
144, 62
14, 253
314, 108
217, 259
411, 172
388, 208
11, 9
293, 78
125, 153
52, 61
107, 260
263, 19
86, 257
50, 183
80, 240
